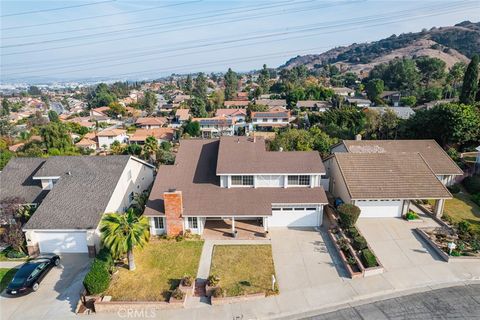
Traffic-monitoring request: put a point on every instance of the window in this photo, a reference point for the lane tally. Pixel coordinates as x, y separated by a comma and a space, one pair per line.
242, 180
158, 221
275, 209
285, 119
264, 120
299, 180
130, 197
192, 223
275, 120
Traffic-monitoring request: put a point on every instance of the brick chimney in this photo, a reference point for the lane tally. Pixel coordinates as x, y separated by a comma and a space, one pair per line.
173, 212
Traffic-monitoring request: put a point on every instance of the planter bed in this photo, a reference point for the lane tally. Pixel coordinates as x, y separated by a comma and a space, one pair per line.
104, 305
226, 300
439, 243
355, 271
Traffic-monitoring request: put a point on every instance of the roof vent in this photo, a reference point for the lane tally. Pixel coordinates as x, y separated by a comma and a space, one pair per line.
172, 190
69, 173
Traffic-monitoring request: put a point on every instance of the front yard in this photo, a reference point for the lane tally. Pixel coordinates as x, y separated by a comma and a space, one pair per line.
462, 208
160, 266
243, 269
6, 274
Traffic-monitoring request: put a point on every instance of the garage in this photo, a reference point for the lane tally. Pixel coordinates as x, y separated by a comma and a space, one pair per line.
62, 242
380, 208
296, 216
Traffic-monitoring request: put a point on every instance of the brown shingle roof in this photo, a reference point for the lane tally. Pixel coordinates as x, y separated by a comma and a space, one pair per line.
151, 121
159, 133
433, 154
238, 155
194, 174
182, 114
389, 176
236, 103
111, 132
231, 112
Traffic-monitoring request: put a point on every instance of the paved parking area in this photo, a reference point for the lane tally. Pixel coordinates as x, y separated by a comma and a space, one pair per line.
57, 296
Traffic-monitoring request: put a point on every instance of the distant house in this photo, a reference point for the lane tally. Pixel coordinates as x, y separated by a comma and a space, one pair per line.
182, 116
166, 107
216, 127
242, 96
359, 102
401, 112
391, 97
272, 102
151, 122
236, 103
313, 105
16, 147
108, 136
100, 111
431, 104
238, 113
161, 134
270, 119
87, 143
343, 91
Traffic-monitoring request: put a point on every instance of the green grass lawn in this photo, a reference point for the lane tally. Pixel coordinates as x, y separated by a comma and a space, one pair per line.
160, 266
6, 274
243, 268
3, 255
462, 208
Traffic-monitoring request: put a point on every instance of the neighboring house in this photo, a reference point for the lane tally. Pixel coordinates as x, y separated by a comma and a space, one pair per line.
151, 122
72, 193
87, 143
272, 102
401, 112
216, 127
431, 104
166, 107
182, 116
238, 114
236, 103
391, 97
107, 136
235, 178
359, 102
312, 105
344, 92
270, 119
161, 134
100, 111
437, 159
383, 184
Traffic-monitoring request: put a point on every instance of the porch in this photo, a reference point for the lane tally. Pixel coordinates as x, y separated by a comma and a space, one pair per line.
222, 229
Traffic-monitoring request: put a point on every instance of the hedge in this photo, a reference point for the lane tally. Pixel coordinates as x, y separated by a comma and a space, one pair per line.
349, 214
105, 256
368, 258
472, 184
97, 279
359, 243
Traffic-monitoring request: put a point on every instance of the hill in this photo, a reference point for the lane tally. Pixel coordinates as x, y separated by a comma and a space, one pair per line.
451, 44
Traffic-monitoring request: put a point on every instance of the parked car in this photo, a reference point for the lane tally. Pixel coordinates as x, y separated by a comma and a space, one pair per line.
31, 273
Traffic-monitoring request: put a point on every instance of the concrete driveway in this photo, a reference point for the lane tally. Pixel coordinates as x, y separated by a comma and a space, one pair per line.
57, 296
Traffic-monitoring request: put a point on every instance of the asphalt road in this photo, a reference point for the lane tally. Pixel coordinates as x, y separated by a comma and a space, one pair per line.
461, 302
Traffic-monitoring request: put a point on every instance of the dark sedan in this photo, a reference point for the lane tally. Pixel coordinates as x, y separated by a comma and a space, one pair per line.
29, 276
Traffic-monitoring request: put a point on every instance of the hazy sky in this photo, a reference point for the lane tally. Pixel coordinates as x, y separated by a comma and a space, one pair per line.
122, 39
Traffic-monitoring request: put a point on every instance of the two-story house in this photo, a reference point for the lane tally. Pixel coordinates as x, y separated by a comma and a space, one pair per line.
151, 122
270, 119
108, 136
71, 194
216, 127
232, 179
238, 114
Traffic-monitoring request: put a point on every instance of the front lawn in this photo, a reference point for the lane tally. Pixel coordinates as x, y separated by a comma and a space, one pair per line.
4, 257
6, 275
160, 266
243, 268
462, 208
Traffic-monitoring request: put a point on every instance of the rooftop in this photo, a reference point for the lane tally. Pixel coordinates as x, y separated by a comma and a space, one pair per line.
111, 132
159, 133
151, 121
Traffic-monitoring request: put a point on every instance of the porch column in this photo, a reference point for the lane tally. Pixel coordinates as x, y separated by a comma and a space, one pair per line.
233, 225
265, 224
438, 210
406, 206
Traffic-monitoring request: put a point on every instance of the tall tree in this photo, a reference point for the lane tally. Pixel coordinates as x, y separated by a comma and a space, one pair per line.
374, 88
189, 85
122, 232
150, 102
455, 76
55, 136
231, 84
263, 79
430, 69
200, 90
53, 116
6, 106
470, 82
150, 148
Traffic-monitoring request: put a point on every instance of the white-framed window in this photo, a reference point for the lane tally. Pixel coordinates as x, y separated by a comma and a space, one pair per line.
131, 196
192, 222
242, 180
158, 222
299, 180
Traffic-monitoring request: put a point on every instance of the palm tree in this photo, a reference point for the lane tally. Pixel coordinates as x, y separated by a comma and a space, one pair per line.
150, 148
121, 232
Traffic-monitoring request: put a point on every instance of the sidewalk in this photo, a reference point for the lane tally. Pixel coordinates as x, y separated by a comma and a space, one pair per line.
11, 264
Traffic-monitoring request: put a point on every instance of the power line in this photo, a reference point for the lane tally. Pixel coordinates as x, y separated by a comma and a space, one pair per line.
101, 16
55, 9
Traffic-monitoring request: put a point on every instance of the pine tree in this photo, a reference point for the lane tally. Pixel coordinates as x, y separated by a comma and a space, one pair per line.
470, 82
231, 84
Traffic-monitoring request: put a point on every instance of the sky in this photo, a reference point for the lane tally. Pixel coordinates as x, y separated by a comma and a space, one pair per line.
136, 40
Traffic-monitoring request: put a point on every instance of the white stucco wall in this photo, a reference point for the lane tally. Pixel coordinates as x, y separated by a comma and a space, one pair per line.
109, 140
337, 185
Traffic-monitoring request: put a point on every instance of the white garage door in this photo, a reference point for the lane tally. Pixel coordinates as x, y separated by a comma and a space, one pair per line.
380, 209
62, 242
295, 217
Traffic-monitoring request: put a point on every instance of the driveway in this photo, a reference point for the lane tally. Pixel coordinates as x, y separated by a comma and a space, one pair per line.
57, 296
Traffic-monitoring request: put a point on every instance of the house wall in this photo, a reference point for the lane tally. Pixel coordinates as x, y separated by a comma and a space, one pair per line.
272, 120
109, 140
447, 180
269, 181
339, 148
337, 185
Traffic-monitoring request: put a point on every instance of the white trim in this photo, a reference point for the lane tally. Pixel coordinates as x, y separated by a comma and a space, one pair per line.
45, 178
143, 162
58, 230
270, 173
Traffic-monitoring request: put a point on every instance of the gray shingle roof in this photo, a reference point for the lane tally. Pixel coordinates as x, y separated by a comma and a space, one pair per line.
16, 180
81, 195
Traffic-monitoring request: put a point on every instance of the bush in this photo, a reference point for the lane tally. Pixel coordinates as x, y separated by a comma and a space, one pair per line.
178, 294
349, 214
187, 280
476, 198
343, 244
454, 188
218, 292
472, 184
368, 258
105, 257
352, 232
464, 227
97, 279
411, 215
447, 218
359, 243
213, 280
13, 254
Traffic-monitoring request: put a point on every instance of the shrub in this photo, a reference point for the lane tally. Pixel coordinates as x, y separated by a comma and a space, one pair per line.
178, 294
187, 280
368, 258
105, 256
411, 215
472, 184
454, 188
179, 238
343, 244
359, 243
464, 227
349, 214
476, 198
213, 280
13, 254
351, 261
352, 232
447, 218
218, 292
97, 279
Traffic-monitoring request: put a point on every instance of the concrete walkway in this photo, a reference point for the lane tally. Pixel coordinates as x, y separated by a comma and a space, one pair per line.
11, 263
